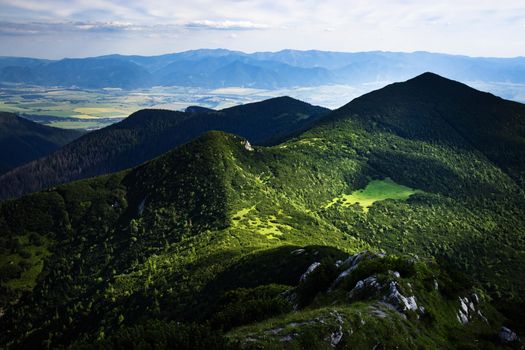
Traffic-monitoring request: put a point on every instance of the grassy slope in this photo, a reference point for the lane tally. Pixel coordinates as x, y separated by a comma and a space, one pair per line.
127, 251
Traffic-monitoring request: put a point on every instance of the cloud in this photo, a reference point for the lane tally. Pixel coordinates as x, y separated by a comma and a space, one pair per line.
225, 25
483, 27
36, 28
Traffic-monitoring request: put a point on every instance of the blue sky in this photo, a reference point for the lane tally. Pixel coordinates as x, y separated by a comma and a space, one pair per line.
79, 28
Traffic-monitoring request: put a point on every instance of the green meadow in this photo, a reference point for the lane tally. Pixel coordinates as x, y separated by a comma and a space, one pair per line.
375, 191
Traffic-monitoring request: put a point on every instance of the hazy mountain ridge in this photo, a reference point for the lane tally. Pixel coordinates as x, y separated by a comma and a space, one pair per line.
261, 246
287, 68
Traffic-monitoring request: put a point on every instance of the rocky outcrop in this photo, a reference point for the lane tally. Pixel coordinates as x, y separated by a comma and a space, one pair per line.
351, 264
399, 301
468, 309
308, 271
387, 292
247, 146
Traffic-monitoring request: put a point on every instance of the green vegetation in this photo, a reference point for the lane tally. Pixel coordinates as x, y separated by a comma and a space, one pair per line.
22, 261
148, 133
237, 244
375, 191
22, 141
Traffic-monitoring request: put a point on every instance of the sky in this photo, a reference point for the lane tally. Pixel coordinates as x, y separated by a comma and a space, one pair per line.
80, 28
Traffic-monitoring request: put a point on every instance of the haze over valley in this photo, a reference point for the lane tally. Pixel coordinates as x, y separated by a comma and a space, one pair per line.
94, 92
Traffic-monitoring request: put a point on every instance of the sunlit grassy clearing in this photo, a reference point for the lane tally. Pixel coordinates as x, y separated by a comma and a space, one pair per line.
375, 191
267, 227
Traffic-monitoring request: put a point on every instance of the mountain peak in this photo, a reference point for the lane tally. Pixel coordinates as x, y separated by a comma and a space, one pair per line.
439, 110
429, 76
284, 103
427, 88
433, 80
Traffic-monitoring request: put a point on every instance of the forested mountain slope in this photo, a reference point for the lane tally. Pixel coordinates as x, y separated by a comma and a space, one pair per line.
22, 141
149, 133
220, 245
434, 109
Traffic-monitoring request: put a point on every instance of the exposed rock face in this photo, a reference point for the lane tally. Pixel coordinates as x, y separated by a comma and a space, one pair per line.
507, 336
352, 262
463, 312
467, 309
335, 321
369, 283
248, 146
298, 251
397, 299
310, 269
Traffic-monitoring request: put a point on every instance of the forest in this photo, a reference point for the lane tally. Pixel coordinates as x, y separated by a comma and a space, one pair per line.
218, 244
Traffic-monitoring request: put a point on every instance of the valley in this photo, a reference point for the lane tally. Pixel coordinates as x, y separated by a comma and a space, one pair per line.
91, 109
93, 92
95, 109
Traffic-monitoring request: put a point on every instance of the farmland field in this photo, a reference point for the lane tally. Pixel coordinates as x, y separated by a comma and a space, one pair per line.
94, 109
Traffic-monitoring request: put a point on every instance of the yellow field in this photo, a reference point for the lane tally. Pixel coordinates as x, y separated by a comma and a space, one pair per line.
97, 110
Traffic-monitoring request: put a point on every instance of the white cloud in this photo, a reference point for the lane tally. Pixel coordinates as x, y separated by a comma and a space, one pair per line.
481, 27
225, 25
35, 28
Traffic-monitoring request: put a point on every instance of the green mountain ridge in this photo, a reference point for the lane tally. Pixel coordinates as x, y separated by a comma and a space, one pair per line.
149, 133
433, 108
239, 244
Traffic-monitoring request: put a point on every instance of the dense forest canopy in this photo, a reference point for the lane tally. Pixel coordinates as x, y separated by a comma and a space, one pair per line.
220, 244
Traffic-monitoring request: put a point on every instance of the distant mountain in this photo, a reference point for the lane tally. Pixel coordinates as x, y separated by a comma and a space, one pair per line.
87, 73
390, 223
22, 141
287, 68
149, 133
22, 62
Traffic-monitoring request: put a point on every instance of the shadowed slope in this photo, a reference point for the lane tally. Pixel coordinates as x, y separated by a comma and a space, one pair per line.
22, 141
149, 133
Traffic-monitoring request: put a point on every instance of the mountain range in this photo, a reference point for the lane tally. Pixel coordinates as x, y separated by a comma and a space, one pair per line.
149, 133
224, 68
395, 221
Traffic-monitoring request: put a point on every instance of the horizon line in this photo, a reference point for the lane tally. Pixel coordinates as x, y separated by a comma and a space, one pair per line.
277, 51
